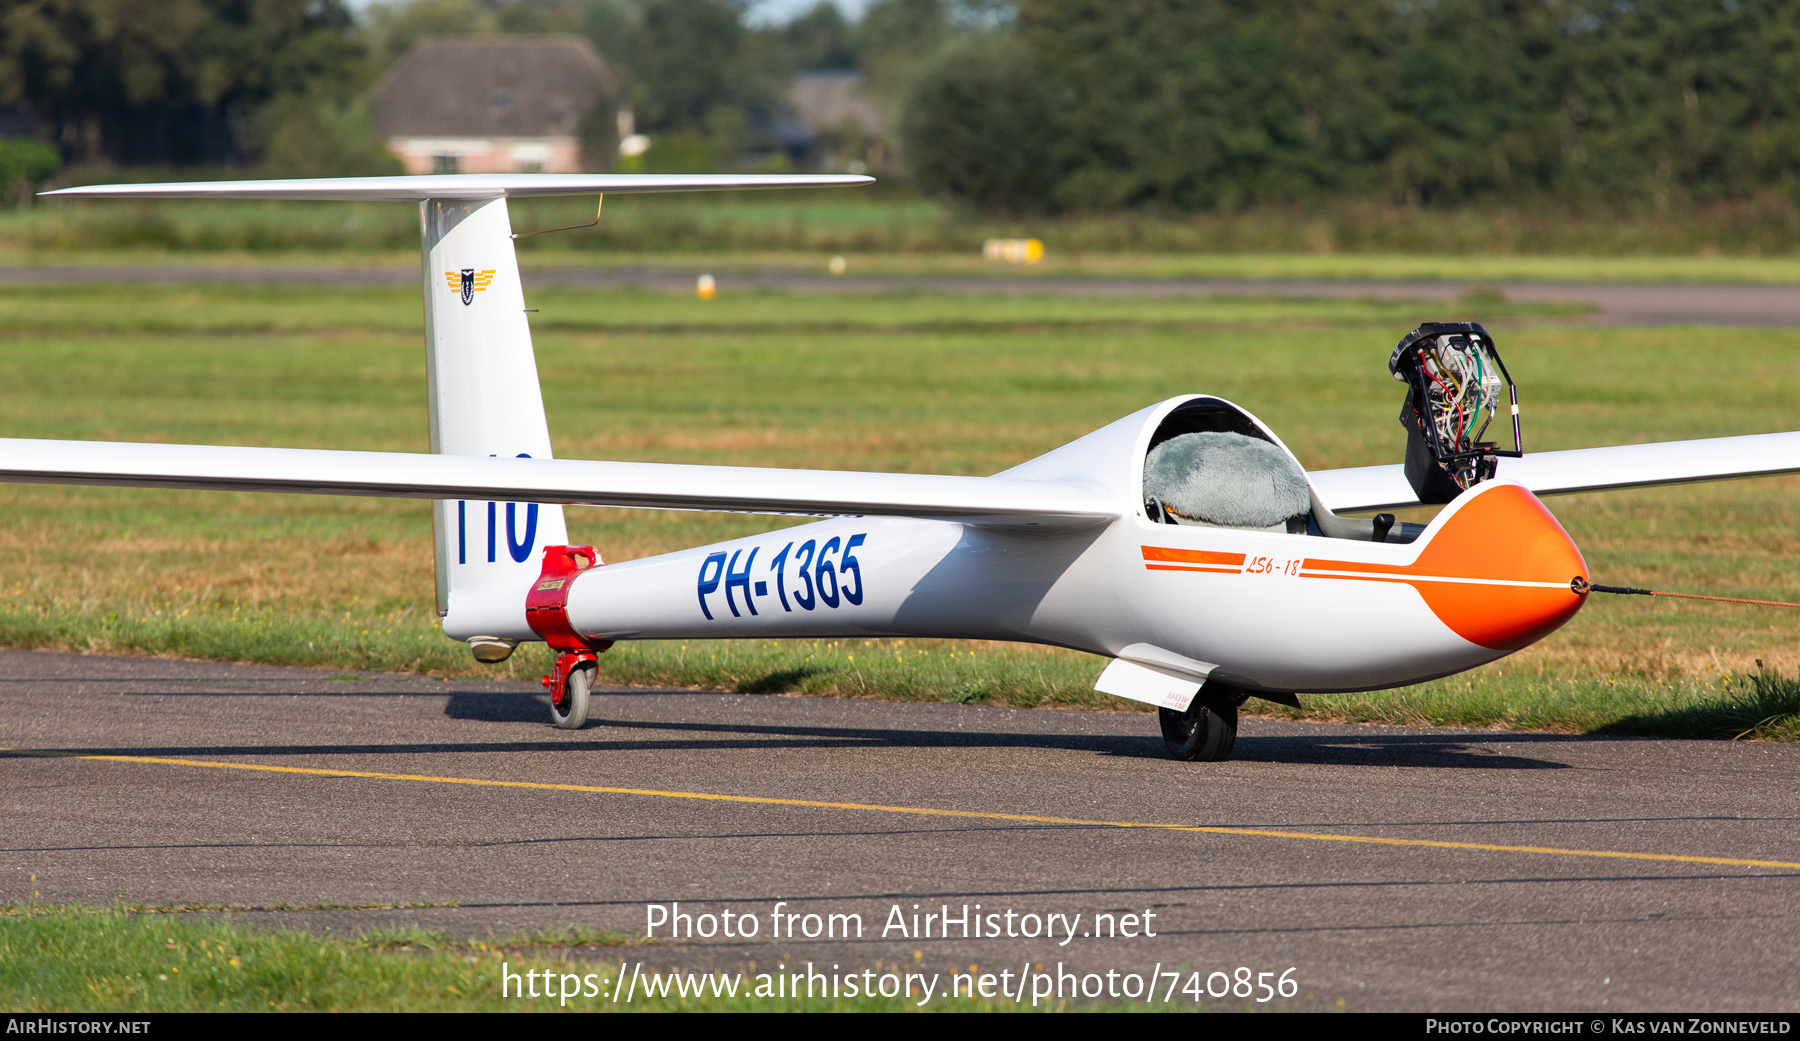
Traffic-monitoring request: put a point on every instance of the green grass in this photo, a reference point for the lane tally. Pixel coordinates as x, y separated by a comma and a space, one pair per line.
1474, 268
255, 309
72, 959
1471, 270
908, 382
1753, 705
890, 230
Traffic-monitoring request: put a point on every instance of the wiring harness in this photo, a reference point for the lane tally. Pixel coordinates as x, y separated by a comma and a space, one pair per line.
1456, 380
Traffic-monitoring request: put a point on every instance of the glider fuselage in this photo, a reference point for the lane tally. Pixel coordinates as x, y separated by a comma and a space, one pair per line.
1261, 610
1269, 611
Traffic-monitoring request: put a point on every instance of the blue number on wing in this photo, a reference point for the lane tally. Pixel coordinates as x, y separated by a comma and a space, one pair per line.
824, 570
779, 565
804, 558
710, 585
850, 566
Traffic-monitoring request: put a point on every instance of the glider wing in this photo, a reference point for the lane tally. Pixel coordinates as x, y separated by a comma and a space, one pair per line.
1582, 470
1048, 505
458, 186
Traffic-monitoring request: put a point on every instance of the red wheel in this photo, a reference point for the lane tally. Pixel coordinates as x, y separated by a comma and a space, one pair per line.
569, 706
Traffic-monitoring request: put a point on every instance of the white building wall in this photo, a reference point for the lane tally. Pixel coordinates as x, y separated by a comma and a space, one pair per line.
424, 155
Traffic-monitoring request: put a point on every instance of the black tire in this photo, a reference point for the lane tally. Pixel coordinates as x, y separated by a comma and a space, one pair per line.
570, 711
1202, 734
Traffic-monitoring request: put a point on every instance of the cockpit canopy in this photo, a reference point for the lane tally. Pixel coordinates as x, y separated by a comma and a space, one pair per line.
1209, 464
1228, 480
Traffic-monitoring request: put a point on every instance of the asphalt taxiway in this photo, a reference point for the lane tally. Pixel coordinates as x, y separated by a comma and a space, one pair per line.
1391, 868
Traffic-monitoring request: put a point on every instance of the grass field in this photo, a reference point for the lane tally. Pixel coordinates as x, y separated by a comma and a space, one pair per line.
1474, 271
62, 959
915, 382
888, 229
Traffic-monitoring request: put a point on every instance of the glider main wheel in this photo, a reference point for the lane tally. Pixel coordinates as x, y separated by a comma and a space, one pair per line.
1204, 733
569, 707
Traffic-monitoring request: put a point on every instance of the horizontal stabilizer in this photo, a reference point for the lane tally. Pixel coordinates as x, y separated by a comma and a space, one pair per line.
1045, 505
1582, 470
459, 186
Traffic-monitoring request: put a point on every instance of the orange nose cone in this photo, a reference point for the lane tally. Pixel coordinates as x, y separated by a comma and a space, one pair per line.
1512, 565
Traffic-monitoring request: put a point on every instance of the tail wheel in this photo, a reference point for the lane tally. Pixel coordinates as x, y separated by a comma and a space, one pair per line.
569, 706
1204, 733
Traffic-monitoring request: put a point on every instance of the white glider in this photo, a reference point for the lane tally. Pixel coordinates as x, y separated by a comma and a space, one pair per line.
1071, 549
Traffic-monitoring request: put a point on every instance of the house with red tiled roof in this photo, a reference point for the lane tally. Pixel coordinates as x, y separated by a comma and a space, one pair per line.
496, 104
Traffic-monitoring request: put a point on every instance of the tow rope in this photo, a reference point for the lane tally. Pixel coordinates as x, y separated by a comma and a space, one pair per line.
1582, 585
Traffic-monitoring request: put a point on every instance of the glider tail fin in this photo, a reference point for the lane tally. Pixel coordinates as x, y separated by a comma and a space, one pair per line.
484, 393
485, 400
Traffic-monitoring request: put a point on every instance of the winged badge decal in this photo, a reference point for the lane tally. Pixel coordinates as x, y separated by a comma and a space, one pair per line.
468, 281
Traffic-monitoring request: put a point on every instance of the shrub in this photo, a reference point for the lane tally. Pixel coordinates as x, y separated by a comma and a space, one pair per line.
978, 126
24, 163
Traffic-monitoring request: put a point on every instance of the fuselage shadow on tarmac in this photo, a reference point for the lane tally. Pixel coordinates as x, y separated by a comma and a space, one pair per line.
1361, 750
1447, 751
1423, 751
1378, 747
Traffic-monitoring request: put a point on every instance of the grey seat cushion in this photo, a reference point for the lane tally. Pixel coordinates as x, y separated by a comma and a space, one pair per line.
1229, 480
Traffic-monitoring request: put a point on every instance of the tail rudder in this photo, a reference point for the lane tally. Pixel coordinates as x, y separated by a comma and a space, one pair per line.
485, 400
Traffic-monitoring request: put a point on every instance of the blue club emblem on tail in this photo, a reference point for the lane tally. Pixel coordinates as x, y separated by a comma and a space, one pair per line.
468, 286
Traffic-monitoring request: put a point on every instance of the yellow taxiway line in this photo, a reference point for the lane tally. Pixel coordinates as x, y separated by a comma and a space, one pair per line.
922, 811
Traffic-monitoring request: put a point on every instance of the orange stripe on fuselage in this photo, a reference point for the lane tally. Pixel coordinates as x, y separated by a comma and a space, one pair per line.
1168, 558
1470, 574
1222, 569
1191, 556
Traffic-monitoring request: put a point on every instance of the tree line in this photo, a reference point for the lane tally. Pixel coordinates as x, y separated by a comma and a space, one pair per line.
1221, 104
1009, 105
285, 83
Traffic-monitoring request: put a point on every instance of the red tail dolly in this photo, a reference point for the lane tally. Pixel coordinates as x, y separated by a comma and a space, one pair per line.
547, 612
